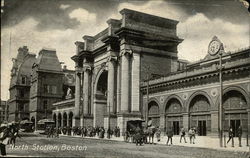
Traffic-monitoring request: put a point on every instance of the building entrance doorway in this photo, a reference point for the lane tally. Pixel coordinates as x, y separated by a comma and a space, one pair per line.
176, 127
202, 128
235, 126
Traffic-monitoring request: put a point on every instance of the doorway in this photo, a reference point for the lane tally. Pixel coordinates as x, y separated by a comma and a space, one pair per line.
176, 127
235, 126
202, 128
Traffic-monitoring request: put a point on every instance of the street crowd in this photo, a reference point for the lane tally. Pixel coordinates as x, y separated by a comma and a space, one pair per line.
137, 135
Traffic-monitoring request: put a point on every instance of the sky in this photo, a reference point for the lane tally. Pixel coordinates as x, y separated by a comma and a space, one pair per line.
59, 23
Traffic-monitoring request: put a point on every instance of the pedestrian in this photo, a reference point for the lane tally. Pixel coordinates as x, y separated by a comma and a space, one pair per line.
231, 136
158, 134
239, 135
170, 134
183, 134
4, 133
191, 133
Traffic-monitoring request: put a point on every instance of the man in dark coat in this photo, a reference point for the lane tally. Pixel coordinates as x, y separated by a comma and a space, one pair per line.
231, 136
170, 134
239, 135
4, 131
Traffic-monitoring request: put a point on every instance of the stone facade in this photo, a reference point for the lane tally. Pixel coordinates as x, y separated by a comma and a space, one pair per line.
37, 83
3, 111
111, 65
190, 98
20, 85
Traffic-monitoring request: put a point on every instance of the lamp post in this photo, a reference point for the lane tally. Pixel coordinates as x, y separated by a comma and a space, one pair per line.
221, 102
215, 47
146, 107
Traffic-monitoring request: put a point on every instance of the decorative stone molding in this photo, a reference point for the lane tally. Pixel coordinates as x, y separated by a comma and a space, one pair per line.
162, 99
87, 67
214, 92
111, 58
185, 96
127, 51
248, 87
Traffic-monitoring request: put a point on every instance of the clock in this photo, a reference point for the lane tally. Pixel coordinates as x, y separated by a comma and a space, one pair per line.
214, 47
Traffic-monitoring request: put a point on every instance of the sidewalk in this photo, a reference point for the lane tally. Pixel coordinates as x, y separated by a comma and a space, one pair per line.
200, 142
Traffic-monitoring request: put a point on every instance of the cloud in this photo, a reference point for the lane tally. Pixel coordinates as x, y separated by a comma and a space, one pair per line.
82, 15
159, 8
26, 33
198, 30
64, 6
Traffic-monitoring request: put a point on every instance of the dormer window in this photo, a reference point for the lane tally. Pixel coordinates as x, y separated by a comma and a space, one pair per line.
23, 80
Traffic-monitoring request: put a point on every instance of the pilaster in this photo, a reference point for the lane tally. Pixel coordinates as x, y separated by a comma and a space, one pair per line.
135, 96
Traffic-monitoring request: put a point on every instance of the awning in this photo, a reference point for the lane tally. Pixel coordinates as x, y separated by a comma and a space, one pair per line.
43, 121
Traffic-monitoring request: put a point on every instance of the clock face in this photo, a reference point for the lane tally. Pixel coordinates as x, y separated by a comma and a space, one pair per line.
214, 47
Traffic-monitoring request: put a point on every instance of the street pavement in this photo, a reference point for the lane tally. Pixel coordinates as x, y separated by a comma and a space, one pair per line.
200, 142
75, 146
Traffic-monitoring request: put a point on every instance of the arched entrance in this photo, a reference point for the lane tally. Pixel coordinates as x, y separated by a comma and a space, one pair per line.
235, 111
173, 115
64, 119
100, 101
153, 114
200, 116
54, 118
33, 119
59, 120
70, 119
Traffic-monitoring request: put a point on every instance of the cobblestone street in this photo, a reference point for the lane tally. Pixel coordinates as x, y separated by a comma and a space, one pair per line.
37, 145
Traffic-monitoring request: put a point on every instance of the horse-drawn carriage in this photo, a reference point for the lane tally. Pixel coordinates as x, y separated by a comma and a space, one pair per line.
26, 126
138, 132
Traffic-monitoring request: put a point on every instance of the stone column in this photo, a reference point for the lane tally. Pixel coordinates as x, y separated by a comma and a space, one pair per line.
118, 86
77, 92
162, 122
214, 122
125, 82
135, 97
111, 84
86, 69
185, 120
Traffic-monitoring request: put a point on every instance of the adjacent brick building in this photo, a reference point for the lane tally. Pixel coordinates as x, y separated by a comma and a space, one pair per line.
20, 84
37, 83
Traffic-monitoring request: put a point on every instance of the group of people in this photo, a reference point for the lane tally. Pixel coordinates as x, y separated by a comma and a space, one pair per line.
89, 131
191, 135
8, 135
231, 135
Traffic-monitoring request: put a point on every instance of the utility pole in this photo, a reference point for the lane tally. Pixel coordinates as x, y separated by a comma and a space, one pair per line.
146, 107
216, 47
221, 102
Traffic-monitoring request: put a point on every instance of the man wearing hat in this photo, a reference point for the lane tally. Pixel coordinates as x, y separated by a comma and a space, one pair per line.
3, 138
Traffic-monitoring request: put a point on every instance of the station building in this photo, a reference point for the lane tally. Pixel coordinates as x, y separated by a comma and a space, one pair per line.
112, 66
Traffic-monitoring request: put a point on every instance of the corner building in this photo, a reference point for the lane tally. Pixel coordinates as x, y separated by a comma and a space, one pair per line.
110, 66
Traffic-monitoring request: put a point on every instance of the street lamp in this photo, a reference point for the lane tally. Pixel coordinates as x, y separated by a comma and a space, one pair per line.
215, 47
146, 108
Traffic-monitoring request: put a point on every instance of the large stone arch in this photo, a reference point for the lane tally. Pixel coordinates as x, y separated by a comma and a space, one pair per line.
236, 88
173, 109
55, 118
173, 96
199, 109
198, 93
59, 119
97, 77
154, 112
65, 119
70, 119
236, 96
100, 99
